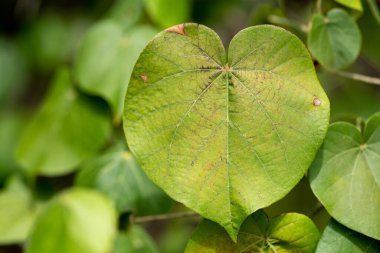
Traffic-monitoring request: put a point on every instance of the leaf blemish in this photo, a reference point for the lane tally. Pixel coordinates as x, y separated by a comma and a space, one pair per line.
144, 77
317, 101
180, 29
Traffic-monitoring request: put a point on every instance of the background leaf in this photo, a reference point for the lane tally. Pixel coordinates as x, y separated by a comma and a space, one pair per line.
106, 58
337, 238
117, 174
334, 40
17, 213
353, 4
135, 240
344, 169
219, 129
69, 128
76, 221
166, 13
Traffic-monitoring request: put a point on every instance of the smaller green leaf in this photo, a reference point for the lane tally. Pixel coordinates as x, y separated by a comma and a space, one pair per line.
167, 13
69, 128
135, 240
117, 174
337, 238
105, 60
17, 212
75, 221
347, 166
334, 40
286, 233
353, 4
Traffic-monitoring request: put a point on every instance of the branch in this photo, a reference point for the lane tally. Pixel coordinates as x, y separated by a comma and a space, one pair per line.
316, 210
167, 216
374, 10
277, 20
319, 6
357, 77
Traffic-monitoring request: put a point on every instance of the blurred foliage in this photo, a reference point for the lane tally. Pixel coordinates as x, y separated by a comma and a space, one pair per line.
64, 69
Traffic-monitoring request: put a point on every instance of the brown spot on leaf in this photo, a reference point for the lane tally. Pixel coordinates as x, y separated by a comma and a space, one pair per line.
144, 77
180, 29
317, 102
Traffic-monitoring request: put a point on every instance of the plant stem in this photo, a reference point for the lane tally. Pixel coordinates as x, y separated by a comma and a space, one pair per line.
374, 10
319, 6
316, 210
277, 20
167, 216
357, 77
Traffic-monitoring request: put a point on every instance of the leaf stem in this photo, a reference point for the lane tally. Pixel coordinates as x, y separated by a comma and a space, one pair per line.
277, 20
167, 216
319, 6
357, 77
319, 207
374, 10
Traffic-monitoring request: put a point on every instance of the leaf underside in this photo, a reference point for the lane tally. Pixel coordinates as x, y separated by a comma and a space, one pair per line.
225, 135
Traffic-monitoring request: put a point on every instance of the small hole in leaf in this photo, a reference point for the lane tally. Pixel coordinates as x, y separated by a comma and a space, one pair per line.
144, 77
317, 102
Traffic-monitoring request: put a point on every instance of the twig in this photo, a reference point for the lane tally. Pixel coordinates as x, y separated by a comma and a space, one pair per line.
357, 77
167, 216
277, 20
316, 210
319, 6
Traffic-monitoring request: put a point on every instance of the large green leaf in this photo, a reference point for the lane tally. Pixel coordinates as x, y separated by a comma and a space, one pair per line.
17, 212
75, 221
346, 176
353, 4
135, 240
69, 128
287, 233
225, 137
117, 174
334, 40
337, 238
168, 12
105, 60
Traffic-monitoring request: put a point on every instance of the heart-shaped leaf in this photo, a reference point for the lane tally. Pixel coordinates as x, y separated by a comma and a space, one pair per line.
291, 232
225, 137
69, 128
117, 174
76, 221
337, 238
346, 175
334, 40
105, 60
